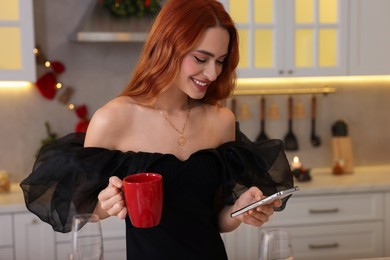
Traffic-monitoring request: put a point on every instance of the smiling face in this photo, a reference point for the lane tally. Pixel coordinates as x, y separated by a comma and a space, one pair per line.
204, 63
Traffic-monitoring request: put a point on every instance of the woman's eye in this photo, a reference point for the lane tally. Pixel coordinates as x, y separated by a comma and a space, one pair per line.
198, 60
220, 62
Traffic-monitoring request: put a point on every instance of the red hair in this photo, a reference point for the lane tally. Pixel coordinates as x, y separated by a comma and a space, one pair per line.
176, 31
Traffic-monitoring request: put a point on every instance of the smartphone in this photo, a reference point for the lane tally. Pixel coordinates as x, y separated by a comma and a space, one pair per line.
265, 201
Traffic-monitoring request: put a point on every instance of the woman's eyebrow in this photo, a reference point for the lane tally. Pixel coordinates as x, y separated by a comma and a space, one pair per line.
210, 54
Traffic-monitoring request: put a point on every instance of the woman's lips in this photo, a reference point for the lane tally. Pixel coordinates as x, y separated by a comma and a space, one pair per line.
200, 84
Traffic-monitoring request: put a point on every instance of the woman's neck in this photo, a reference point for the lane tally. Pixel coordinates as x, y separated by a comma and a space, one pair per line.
173, 101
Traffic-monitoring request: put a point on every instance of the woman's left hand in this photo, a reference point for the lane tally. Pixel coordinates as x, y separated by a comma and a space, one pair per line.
257, 216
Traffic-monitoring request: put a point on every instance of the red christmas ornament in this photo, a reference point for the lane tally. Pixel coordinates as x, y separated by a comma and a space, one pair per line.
46, 85
57, 66
82, 126
147, 3
82, 111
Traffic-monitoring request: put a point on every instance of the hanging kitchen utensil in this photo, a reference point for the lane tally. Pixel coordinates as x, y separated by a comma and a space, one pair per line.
314, 138
290, 141
262, 135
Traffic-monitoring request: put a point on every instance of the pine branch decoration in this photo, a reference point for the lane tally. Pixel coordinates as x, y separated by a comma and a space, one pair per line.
132, 8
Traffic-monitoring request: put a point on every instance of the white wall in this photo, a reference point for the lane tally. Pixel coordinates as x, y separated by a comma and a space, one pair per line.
99, 71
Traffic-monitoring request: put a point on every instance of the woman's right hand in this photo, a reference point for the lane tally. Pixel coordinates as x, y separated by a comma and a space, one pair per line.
112, 200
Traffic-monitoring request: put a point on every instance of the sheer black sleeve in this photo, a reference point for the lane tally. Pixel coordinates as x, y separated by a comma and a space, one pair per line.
247, 163
67, 178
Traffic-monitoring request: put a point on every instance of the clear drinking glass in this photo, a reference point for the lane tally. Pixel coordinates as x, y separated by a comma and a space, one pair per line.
87, 239
275, 244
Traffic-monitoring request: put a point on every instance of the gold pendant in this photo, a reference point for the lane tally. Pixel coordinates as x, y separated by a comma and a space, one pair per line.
181, 140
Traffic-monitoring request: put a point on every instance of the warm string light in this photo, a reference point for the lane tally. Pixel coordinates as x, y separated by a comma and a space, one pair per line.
48, 85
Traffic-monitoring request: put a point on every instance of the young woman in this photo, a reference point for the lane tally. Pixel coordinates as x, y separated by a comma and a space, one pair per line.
171, 120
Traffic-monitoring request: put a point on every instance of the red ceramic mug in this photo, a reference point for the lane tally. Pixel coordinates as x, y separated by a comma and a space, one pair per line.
144, 198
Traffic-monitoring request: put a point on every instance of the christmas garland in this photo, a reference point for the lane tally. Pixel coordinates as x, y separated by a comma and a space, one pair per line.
48, 85
131, 8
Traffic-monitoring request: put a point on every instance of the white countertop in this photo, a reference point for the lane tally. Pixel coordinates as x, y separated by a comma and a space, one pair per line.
12, 201
369, 178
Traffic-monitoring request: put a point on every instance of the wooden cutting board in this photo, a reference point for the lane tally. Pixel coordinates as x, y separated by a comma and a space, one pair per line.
342, 150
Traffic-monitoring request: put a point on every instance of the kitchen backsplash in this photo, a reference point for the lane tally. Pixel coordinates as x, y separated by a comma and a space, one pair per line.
99, 71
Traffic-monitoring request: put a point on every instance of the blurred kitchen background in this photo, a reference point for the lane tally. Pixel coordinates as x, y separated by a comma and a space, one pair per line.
333, 50
98, 71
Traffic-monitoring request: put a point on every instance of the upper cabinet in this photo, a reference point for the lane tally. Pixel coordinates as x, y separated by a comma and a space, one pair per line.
369, 37
290, 38
17, 60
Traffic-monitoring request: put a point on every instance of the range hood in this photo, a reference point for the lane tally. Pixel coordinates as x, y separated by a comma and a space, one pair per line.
98, 25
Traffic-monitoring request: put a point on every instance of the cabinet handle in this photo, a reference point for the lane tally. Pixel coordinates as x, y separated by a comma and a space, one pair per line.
332, 245
34, 221
281, 72
290, 72
322, 211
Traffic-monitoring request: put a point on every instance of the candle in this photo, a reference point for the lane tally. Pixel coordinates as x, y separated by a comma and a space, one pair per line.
296, 164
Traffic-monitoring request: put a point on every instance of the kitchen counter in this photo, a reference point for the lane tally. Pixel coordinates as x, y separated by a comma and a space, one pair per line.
12, 201
341, 216
367, 178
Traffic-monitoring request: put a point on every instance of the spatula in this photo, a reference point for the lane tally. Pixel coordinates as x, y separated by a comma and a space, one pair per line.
262, 135
290, 141
314, 138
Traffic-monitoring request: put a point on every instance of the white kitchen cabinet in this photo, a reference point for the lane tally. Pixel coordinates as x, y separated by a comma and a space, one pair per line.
6, 253
337, 226
34, 239
290, 38
17, 60
337, 241
369, 37
387, 224
6, 238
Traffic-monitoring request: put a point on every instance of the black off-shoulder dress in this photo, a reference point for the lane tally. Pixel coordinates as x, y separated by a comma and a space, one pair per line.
67, 178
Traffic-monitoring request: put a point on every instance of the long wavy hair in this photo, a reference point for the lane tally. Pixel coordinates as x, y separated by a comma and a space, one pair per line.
175, 32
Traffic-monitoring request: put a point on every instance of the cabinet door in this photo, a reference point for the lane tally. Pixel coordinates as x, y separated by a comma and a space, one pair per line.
337, 241
242, 243
330, 209
115, 249
261, 28
316, 37
17, 61
290, 38
324, 241
6, 237
369, 37
6, 253
34, 239
387, 224
6, 232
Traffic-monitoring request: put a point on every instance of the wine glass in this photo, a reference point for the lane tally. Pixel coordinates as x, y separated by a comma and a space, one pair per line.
275, 244
87, 239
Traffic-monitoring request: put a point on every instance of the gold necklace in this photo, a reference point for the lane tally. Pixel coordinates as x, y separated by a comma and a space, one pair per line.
181, 140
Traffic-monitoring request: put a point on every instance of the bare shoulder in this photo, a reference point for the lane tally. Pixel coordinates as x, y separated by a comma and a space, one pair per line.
222, 121
106, 124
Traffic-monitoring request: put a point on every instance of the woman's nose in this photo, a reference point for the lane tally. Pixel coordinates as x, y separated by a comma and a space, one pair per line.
211, 71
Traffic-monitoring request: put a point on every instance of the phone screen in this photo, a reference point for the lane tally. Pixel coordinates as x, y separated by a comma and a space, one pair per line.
265, 201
